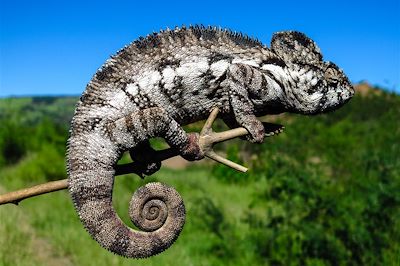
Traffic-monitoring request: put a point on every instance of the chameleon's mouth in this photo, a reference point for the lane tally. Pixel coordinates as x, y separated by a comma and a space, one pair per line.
272, 129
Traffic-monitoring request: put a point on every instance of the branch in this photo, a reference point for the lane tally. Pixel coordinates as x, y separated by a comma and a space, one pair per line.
16, 196
206, 141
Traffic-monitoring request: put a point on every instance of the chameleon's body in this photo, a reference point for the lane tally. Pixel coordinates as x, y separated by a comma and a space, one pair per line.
154, 86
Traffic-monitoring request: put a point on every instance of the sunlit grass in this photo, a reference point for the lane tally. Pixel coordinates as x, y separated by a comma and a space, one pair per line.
53, 218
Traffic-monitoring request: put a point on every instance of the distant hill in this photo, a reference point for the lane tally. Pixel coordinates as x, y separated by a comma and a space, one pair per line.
365, 89
32, 110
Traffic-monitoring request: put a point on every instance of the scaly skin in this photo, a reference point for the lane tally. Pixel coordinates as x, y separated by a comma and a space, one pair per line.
156, 85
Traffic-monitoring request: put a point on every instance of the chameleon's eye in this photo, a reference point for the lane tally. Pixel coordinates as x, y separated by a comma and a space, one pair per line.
332, 75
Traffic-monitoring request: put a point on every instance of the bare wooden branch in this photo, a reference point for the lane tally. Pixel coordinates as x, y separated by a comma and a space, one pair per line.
210, 120
207, 139
212, 155
16, 196
121, 169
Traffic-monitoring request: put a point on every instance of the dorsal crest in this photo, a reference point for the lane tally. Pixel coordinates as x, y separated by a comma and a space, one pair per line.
200, 32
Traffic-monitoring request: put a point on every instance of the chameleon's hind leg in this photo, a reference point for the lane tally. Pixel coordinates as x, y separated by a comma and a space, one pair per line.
145, 154
133, 131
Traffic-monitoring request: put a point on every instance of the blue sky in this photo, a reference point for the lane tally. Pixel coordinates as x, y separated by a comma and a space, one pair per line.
54, 47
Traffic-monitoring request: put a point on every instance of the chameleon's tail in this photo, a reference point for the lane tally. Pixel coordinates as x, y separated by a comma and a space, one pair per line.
155, 208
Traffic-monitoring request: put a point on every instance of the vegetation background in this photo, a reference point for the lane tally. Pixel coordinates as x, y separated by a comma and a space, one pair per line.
324, 192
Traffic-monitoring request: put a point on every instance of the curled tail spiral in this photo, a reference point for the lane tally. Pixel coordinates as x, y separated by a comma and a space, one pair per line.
156, 209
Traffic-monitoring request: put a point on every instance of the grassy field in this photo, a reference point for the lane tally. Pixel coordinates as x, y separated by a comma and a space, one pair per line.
324, 192
46, 231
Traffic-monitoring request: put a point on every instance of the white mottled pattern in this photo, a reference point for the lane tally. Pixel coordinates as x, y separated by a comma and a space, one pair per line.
168, 75
119, 100
149, 79
254, 62
219, 67
193, 69
132, 89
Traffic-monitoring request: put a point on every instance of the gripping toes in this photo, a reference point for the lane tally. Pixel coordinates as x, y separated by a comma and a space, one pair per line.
144, 154
255, 129
150, 168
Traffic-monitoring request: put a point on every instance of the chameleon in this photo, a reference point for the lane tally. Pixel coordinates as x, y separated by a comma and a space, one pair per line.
157, 84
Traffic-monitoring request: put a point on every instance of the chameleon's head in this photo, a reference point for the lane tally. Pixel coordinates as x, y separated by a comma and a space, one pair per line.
313, 85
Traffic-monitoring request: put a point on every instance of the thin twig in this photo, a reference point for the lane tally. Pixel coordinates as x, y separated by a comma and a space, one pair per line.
16, 196
206, 141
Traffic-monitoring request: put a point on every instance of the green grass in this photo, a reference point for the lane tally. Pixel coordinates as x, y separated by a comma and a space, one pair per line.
214, 212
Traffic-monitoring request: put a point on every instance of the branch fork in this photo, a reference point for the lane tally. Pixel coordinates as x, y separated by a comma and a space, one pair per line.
208, 138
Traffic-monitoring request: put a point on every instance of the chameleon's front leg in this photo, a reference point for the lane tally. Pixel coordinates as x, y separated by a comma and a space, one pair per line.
239, 78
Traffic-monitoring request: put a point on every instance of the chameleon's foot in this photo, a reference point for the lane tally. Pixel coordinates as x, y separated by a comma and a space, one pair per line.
192, 151
144, 155
269, 129
139, 168
148, 169
256, 130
